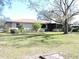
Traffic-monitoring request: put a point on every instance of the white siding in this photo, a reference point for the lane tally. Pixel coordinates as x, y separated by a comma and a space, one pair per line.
13, 25
27, 26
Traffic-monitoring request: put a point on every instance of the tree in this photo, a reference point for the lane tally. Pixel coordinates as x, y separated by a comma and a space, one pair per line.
36, 26
65, 9
61, 10
20, 28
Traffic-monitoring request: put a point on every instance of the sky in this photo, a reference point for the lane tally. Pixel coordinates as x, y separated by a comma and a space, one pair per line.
21, 11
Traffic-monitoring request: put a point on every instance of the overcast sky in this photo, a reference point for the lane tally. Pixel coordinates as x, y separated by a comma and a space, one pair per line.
21, 11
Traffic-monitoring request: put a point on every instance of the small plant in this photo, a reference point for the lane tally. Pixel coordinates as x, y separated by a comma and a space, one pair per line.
36, 26
20, 28
13, 31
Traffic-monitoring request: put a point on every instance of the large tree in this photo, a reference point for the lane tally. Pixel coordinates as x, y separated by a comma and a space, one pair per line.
62, 10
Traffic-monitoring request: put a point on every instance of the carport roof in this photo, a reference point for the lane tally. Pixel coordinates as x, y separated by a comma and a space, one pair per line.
30, 21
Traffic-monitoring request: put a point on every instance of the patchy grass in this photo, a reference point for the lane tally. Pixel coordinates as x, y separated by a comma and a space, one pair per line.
21, 45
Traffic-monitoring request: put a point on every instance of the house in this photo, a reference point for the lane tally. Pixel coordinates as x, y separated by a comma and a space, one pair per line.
27, 24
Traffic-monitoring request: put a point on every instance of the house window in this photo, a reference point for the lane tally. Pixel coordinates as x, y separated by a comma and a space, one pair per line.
17, 25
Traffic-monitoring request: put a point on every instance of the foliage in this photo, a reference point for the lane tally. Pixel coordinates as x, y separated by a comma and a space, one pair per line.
13, 31
36, 26
20, 28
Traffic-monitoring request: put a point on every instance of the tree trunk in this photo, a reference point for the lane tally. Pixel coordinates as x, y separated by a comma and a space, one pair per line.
66, 26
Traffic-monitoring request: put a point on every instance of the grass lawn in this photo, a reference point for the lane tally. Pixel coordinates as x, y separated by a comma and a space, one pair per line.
32, 44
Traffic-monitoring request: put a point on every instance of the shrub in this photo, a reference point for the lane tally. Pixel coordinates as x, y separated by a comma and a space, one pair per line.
21, 28
13, 31
36, 26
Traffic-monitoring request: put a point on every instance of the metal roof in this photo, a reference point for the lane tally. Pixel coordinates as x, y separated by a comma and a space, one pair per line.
30, 21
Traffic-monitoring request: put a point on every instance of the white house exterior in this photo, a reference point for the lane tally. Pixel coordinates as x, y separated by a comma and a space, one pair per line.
26, 23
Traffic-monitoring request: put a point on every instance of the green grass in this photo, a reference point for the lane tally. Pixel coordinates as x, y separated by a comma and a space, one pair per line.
19, 46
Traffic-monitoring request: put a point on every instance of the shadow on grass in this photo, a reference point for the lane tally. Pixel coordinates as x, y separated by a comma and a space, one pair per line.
42, 42
42, 39
21, 37
35, 44
40, 34
31, 34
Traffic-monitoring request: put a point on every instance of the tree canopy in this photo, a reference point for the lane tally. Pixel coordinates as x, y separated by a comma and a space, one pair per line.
60, 10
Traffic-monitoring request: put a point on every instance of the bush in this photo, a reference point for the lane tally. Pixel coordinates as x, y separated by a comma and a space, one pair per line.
13, 31
21, 28
36, 26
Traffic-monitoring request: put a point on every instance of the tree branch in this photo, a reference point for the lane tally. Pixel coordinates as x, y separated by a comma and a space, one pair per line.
51, 18
74, 14
70, 4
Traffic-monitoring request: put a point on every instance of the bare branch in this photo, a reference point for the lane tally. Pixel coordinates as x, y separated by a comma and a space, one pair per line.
32, 5
74, 14
51, 18
70, 4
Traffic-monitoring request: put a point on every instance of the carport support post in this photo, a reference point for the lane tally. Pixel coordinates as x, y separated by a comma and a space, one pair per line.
46, 26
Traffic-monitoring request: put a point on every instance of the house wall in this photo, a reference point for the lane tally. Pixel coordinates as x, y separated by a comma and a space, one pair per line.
13, 25
27, 26
10, 25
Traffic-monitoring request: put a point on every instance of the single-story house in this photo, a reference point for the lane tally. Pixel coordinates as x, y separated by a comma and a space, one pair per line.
27, 24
